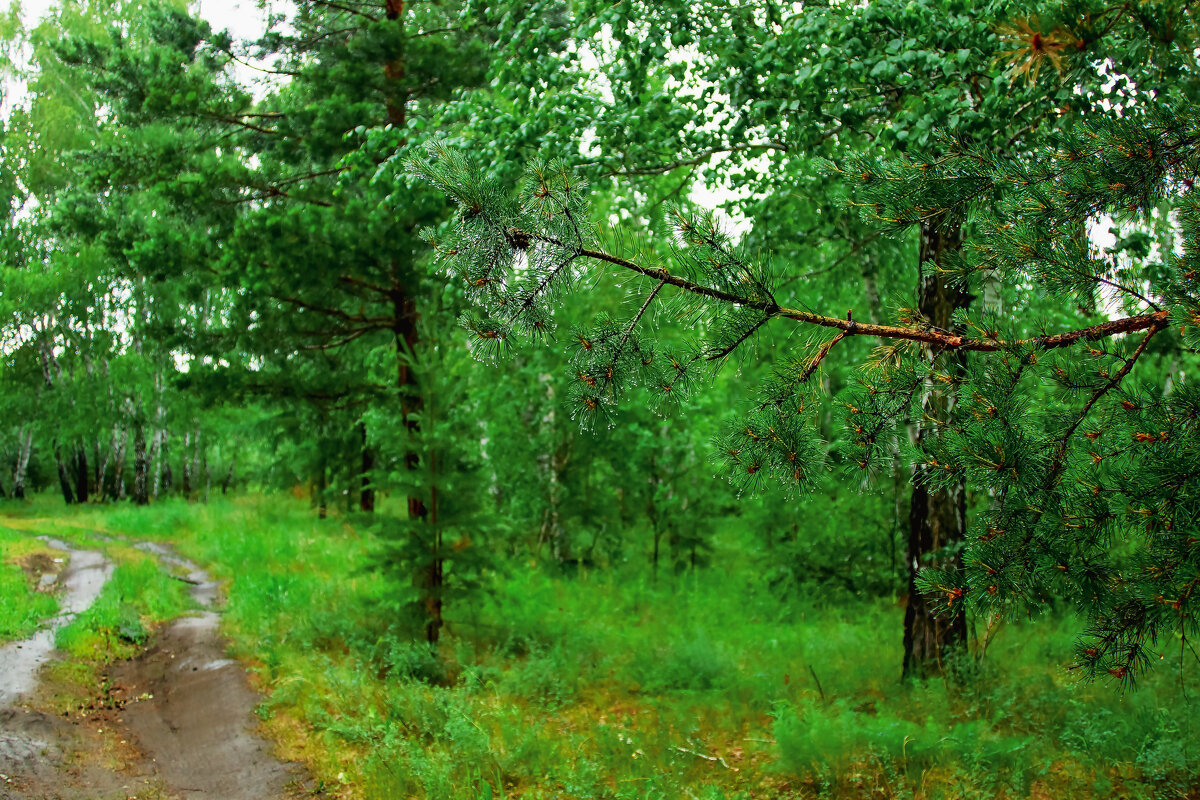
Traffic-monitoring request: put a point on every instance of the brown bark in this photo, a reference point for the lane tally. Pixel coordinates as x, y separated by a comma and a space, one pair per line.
944, 340
429, 578
937, 519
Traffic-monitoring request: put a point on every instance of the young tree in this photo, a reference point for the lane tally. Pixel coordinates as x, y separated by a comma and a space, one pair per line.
1107, 458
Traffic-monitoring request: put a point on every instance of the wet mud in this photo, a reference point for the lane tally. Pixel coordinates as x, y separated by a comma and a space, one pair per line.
84, 577
191, 710
175, 723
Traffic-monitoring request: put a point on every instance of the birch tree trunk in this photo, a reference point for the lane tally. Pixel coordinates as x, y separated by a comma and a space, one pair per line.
119, 466
185, 465
25, 445
167, 478
196, 458
141, 495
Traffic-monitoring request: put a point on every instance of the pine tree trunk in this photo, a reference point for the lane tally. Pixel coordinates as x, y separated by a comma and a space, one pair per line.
937, 519
141, 494
428, 579
367, 498
25, 443
207, 479
168, 478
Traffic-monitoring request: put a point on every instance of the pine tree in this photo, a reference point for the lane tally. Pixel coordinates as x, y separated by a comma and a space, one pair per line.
1089, 469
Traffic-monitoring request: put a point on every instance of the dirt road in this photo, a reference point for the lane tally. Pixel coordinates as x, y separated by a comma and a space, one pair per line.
175, 722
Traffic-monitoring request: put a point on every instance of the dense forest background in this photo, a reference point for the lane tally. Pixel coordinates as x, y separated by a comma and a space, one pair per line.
232, 289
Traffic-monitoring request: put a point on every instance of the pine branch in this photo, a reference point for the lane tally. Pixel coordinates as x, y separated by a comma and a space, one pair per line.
1113, 381
924, 335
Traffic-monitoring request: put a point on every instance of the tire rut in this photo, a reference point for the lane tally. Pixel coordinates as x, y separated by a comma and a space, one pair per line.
174, 723
194, 716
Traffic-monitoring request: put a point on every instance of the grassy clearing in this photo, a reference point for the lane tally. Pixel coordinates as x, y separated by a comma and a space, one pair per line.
608, 685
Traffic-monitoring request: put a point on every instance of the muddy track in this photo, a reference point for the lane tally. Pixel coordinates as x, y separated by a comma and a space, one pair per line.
82, 581
175, 722
192, 712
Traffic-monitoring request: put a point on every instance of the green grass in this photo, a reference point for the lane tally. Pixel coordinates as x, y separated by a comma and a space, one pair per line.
138, 597
606, 684
21, 607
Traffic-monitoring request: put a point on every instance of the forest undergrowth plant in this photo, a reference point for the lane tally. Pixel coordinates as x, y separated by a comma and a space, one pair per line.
1090, 469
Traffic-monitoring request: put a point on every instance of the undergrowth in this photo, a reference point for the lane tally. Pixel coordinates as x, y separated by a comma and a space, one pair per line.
607, 684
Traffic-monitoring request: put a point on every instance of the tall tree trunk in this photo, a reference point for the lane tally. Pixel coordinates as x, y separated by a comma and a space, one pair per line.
160, 459
225, 484
196, 453
937, 519
366, 500
428, 579
81, 475
102, 456
25, 445
185, 465
64, 477
207, 479
119, 466
141, 494
168, 477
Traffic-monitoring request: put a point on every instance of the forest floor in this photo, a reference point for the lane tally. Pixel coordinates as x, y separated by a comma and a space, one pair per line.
605, 683
174, 718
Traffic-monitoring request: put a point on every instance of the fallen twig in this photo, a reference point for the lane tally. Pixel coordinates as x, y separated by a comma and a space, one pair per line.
716, 759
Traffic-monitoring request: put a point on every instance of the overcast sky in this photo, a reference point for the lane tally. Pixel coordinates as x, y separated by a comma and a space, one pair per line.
241, 17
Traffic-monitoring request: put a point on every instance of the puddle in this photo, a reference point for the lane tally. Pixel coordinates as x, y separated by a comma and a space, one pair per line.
194, 713
82, 581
